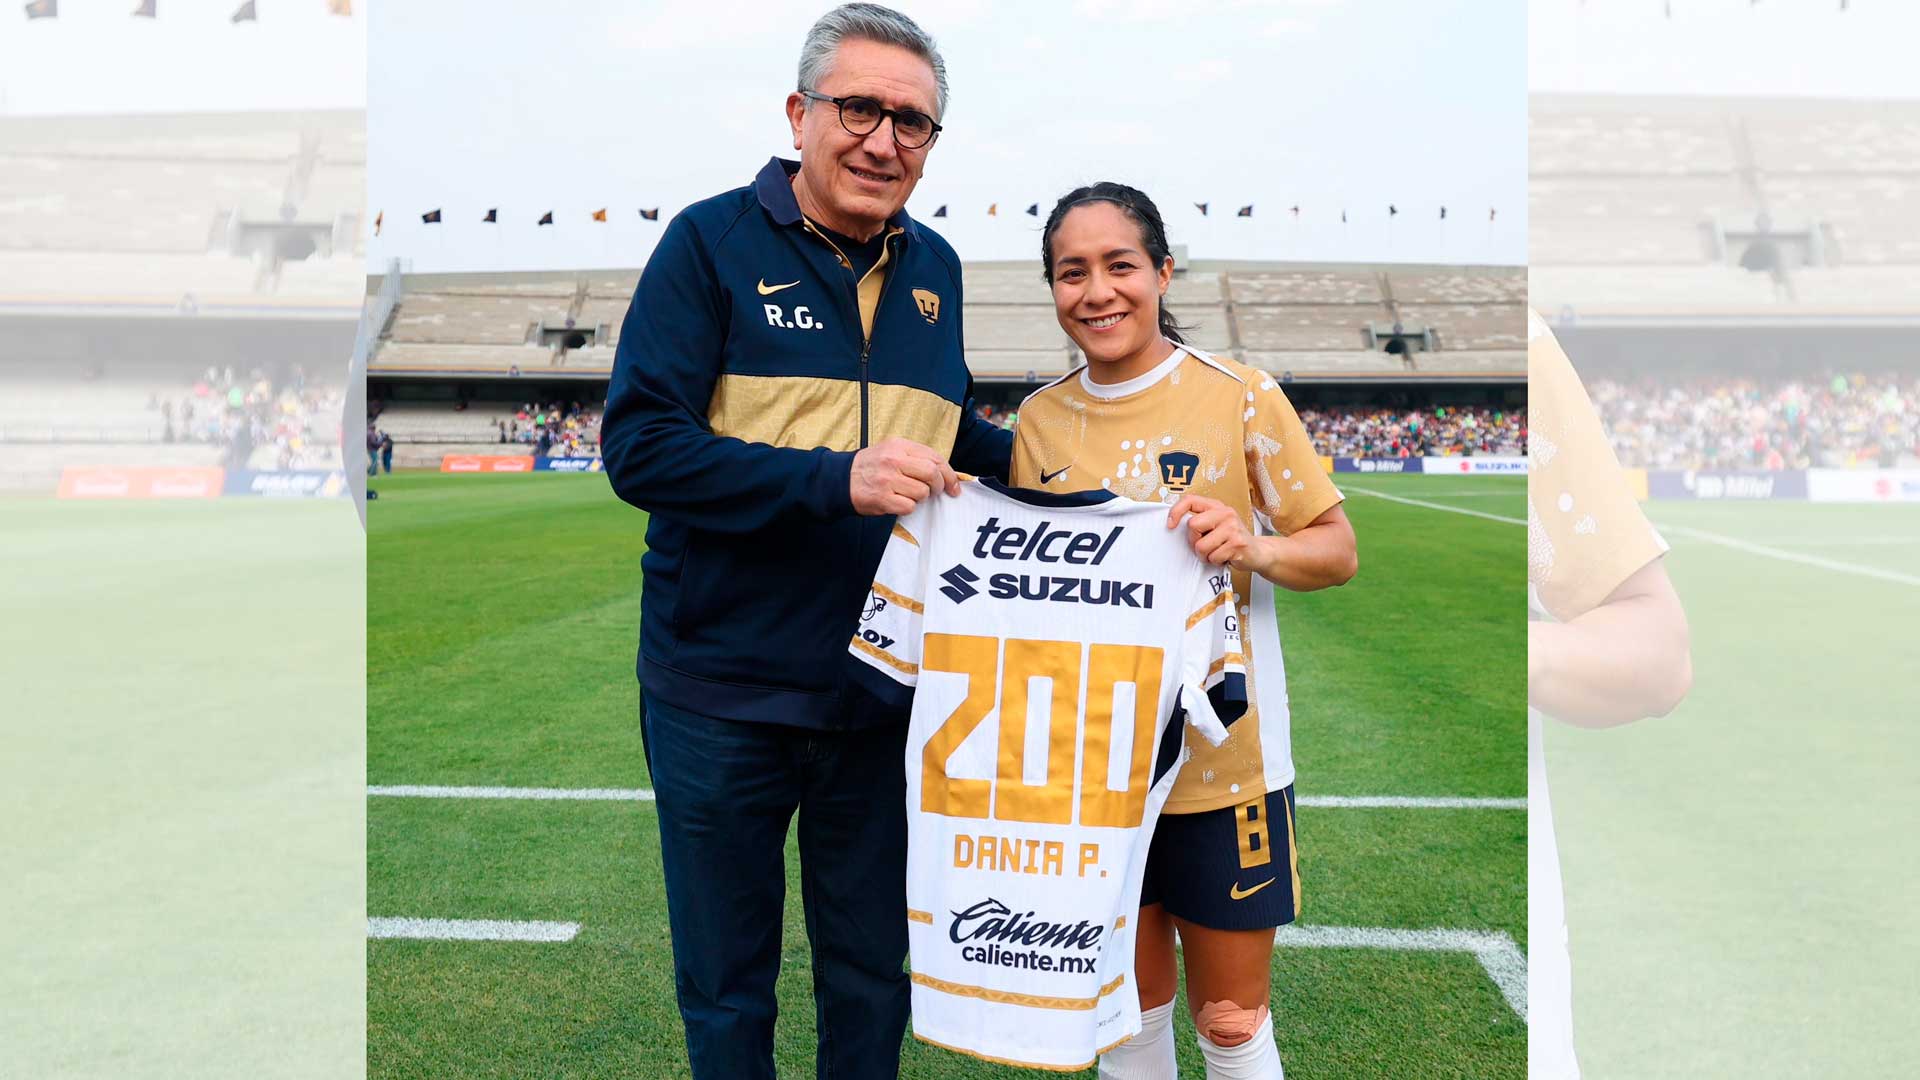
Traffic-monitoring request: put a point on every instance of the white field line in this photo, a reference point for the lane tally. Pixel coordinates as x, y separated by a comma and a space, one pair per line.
1505, 964
1410, 802
1438, 802
471, 929
1840, 541
1783, 555
1432, 505
418, 791
1468, 494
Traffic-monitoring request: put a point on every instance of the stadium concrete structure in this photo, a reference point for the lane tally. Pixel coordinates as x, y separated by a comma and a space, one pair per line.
447, 336
1680, 230
136, 251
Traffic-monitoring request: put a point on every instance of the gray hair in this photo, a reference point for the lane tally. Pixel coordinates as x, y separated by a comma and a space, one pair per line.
868, 22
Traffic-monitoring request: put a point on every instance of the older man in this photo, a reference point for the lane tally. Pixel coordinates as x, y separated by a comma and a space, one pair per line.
789, 376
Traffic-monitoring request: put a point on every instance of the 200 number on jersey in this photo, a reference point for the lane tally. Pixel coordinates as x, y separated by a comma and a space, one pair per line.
1008, 797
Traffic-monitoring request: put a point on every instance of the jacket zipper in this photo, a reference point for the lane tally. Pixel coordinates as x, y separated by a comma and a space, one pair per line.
866, 339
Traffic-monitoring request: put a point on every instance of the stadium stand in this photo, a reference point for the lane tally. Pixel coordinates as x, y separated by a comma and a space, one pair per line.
263, 208
1672, 208
1312, 321
459, 339
153, 265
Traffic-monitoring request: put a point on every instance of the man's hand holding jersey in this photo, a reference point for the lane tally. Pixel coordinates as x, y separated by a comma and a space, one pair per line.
1318, 556
894, 474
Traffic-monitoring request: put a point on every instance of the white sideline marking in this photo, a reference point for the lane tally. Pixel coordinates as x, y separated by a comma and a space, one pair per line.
1432, 505
1438, 802
416, 791
471, 929
1505, 964
1791, 556
1471, 494
1853, 541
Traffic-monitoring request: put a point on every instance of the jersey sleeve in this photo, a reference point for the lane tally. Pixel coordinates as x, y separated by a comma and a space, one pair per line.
1213, 673
884, 655
1289, 487
1586, 533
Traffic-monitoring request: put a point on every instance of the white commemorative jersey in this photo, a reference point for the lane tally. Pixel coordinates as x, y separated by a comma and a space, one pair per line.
1047, 643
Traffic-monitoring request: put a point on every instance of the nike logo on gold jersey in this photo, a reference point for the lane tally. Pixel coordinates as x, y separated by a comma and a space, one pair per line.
1236, 894
1050, 477
769, 290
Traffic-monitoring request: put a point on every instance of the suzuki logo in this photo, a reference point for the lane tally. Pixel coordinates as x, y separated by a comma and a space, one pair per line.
959, 584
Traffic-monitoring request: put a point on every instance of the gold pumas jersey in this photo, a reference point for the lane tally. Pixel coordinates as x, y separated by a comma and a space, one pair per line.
1213, 427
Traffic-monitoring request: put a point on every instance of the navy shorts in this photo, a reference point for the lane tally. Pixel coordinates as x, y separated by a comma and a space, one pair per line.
1234, 868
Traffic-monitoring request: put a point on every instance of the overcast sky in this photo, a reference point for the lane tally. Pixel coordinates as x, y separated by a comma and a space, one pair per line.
1330, 104
1324, 103
1774, 48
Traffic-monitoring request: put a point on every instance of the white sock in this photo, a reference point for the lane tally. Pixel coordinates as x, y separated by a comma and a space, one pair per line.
1256, 1059
1146, 1056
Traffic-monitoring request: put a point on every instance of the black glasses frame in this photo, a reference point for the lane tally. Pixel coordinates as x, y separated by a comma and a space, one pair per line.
840, 107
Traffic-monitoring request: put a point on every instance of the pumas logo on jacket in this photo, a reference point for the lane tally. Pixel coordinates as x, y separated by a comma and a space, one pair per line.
929, 303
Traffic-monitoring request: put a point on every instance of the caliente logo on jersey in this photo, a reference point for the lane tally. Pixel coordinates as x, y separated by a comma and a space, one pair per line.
991, 933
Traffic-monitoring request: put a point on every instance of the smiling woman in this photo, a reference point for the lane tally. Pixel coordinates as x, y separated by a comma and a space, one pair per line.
1225, 448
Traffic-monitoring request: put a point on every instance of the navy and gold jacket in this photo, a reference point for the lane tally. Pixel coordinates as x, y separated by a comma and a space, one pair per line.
750, 369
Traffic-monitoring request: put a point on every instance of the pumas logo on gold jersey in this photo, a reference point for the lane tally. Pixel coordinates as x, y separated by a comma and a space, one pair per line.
1177, 468
929, 303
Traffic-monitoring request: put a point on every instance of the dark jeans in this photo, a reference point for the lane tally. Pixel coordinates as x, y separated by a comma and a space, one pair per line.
725, 792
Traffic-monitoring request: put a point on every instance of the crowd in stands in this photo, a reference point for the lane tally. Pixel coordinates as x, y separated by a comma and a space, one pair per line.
1828, 420
1435, 431
1003, 418
557, 429
260, 421
1378, 431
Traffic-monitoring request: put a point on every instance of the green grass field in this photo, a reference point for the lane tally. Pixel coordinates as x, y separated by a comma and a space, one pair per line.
182, 803
1737, 903
502, 624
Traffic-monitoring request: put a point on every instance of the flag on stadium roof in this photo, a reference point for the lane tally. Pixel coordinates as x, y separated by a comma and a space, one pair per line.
942, 212
1343, 217
1443, 213
1033, 210
431, 217
1245, 211
1202, 207
145, 10
993, 210
600, 214
378, 220
546, 218
340, 7
245, 14
1294, 209
493, 216
43, 9
651, 215
1392, 210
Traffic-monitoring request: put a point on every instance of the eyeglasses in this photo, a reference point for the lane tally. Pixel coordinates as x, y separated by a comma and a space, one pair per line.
912, 129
